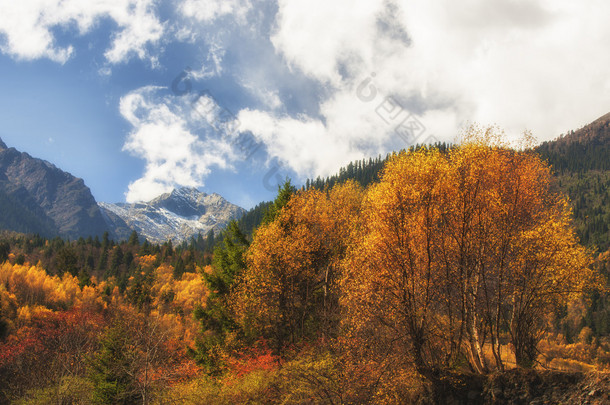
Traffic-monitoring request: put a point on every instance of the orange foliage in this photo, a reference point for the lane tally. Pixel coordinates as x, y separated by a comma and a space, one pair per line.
146, 261
452, 248
51, 344
187, 293
31, 286
293, 264
256, 358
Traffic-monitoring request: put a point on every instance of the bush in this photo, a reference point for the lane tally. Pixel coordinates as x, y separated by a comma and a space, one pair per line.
71, 390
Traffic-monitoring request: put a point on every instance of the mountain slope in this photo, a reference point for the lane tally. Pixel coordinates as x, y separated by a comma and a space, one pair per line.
175, 216
581, 161
38, 197
20, 213
582, 150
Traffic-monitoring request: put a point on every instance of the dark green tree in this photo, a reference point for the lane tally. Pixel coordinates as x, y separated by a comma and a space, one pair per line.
216, 319
179, 268
133, 239
102, 263
116, 259
5, 249
111, 369
209, 241
284, 194
139, 292
105, 240
84, 278
145, 248
67, 260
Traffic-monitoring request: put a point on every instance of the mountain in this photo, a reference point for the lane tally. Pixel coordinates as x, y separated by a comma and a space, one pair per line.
582, 150
37, 197
581, 161
174, 216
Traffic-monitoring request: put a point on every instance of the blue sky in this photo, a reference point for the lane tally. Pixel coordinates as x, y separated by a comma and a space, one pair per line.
267, 89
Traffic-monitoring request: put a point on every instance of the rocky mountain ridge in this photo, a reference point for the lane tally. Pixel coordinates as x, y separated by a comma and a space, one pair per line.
175, 216
38, 197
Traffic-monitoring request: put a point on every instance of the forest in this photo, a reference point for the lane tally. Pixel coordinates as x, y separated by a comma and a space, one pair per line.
392, 282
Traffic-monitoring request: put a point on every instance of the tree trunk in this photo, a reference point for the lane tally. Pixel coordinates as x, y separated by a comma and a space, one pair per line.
476, 352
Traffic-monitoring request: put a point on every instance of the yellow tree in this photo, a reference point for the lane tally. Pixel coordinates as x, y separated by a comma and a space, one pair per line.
394, 271
339, 215
288, 290
514, 249
454, 248
549, 266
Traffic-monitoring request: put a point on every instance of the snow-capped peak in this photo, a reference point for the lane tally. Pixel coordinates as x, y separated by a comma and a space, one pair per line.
178, 215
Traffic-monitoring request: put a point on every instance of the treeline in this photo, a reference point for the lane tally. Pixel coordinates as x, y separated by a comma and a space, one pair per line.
363, 172
579, 160
252, 218
102, 257
581, 151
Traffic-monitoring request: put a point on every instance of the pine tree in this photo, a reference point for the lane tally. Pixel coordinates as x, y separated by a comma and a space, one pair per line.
110, 370
216, 319
179, 269
284, 193
67, 261
5, 249
133, 239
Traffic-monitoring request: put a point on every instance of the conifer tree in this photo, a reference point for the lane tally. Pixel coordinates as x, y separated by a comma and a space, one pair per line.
217, 321
110, 370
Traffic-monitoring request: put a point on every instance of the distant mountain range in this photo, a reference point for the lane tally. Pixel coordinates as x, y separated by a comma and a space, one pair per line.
175, 216
37, 197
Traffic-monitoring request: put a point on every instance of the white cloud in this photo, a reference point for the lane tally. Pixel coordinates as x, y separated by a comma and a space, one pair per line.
165, 135
537, 65
212, 23
27, 27
213, 64
269, 97
315, 147
140, 26
207, 11
521, 64
337, 44
320, 37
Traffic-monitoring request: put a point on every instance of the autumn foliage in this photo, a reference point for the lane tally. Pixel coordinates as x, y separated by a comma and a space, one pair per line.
458, 252
54, 330
461, 259
289, 290
453, 258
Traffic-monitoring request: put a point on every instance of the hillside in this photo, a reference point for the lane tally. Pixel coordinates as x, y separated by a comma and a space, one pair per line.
582, 150
36, 196
581, 161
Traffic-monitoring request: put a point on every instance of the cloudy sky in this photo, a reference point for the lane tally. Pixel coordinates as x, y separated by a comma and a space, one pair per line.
231, 96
